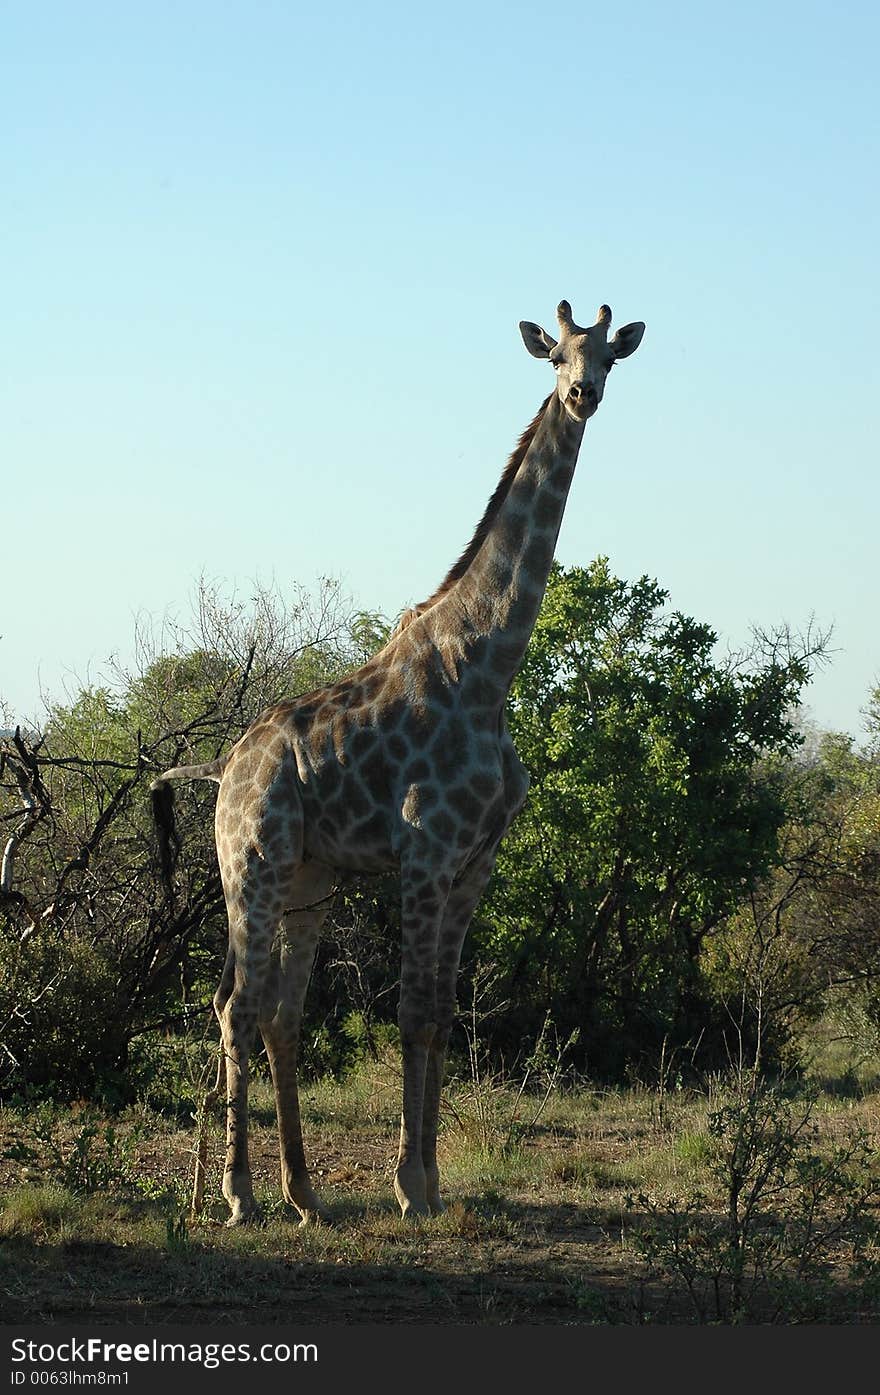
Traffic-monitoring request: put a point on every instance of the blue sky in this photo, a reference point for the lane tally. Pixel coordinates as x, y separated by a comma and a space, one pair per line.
264, 263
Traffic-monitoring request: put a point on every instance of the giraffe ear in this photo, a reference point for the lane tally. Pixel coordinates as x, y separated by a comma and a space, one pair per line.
538, 342
627, 339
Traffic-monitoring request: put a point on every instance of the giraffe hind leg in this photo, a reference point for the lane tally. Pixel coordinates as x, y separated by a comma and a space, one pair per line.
236, 1004
280, 1020
258, 873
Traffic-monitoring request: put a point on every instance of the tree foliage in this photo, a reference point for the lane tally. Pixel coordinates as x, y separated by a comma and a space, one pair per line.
806, 941
654, 810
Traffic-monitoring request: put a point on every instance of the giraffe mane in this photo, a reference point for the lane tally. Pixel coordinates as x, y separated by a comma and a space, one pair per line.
481, 532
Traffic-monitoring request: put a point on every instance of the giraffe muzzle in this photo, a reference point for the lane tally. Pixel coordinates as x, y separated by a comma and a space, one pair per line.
582, 399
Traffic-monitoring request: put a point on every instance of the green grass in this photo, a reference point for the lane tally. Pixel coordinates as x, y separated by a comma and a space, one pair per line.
39, 1212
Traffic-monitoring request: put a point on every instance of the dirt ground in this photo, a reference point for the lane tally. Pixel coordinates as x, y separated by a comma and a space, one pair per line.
536, 1246
487, 1261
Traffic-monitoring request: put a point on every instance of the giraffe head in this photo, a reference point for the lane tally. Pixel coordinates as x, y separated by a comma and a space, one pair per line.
582, 358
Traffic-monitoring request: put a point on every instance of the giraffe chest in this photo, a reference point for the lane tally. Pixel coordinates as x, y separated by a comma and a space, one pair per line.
438, 790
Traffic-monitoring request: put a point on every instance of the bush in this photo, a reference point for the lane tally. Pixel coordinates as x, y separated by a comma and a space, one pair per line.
779, 1224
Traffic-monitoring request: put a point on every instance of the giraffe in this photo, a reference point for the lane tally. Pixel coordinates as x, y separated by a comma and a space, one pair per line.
405, 764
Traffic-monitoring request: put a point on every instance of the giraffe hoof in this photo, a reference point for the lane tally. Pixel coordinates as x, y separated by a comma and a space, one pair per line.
316, 1215
414, 1211
409, 1188
306, 1202
245, 1215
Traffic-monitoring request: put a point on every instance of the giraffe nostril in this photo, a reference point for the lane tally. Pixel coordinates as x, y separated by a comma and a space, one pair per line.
582, 392
583, 396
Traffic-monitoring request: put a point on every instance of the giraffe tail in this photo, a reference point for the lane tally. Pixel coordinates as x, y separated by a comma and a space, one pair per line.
162, 795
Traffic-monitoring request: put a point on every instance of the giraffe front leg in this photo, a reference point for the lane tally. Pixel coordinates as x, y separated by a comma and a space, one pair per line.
430, 1117
466, 892
410, 1178
423, 903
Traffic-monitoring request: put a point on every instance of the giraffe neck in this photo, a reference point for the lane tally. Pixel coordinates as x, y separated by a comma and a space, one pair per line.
494, 604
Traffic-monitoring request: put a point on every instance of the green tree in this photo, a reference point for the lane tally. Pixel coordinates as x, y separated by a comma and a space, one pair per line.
806, 942
654, 809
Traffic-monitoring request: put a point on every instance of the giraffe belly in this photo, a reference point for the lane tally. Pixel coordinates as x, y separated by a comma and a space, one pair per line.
347, 829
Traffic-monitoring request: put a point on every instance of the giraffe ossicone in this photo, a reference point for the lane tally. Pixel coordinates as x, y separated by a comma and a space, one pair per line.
405, 764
